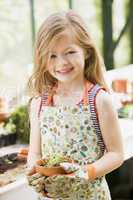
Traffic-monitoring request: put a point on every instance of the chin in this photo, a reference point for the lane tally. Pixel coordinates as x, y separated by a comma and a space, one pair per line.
64, 79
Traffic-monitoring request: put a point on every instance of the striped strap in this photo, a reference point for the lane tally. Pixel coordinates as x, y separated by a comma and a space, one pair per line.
92, 101
43, 102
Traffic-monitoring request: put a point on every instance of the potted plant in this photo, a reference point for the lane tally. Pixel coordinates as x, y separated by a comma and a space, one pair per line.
20, 119
7, 134
51, 166
15, 127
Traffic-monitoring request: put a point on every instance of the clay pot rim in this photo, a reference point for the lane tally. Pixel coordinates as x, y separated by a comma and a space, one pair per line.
50, 171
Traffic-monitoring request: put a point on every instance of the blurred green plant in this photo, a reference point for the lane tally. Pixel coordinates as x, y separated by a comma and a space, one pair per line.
126, 111
18, 122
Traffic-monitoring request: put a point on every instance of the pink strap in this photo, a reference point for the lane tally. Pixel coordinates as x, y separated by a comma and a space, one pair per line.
40, 107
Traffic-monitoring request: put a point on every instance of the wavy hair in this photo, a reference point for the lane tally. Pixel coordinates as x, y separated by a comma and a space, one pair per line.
41, 80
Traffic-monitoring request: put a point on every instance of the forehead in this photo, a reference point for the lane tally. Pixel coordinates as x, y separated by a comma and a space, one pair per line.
63, 40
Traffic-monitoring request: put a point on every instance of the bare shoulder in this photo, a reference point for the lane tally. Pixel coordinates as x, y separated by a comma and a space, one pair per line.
103, 98
104, 102
35, 105
35, 102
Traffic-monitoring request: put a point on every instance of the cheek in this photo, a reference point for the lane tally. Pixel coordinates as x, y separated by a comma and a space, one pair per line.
81, 60
77, 61
49, 66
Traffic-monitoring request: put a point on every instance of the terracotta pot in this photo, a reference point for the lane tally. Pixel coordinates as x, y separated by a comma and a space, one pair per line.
21, 156
40, 162
120, 85
50, 171
3, 116
23, 151
126, 102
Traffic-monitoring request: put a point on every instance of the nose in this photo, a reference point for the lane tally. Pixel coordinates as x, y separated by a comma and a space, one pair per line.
61, 61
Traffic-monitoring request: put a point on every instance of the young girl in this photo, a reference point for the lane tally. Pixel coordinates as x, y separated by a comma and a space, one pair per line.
71, 112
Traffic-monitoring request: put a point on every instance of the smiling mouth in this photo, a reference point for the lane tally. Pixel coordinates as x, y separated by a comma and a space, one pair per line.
65, 70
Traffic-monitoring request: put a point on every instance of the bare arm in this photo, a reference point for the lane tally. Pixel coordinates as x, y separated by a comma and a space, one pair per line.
35, 139
111, 133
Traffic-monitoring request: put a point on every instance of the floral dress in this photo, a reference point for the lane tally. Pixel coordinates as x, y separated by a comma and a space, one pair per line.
74, 131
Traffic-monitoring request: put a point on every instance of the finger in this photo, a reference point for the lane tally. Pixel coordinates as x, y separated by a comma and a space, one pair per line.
39, 180
35, 176
31, 179
37, 189
69, 167
40, 162
34, 179
31, 172
48, 195
45, 194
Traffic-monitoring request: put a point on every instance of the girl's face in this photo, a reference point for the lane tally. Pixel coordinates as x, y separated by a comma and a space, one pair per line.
66, 59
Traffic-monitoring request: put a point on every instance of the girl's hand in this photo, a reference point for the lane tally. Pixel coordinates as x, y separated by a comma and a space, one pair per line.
59, 186
33, 179
70, 181
75, 170
69, 167
30, 171
36, 181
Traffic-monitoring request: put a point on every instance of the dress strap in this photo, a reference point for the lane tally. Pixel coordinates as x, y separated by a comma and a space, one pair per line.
85, 101
47, 99
94, 114
43, 102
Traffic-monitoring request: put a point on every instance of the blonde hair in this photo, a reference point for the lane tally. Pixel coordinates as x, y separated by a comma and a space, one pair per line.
41, 80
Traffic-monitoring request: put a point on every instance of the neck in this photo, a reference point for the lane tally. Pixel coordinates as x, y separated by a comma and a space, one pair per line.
70, 87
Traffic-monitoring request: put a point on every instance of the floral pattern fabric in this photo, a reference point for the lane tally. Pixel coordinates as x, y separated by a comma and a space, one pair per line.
69, 130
